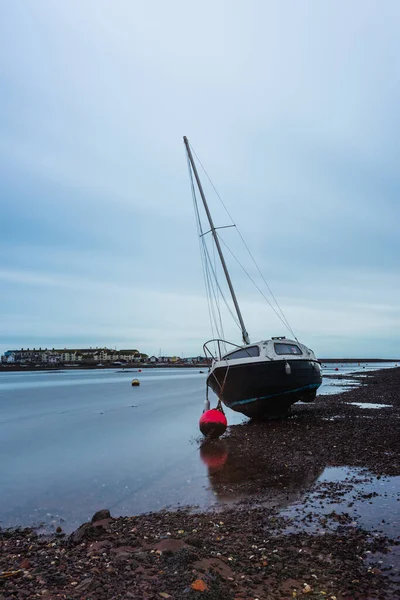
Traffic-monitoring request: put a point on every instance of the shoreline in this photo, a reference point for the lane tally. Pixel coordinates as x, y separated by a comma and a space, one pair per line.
317, 548
133, 366
137, 366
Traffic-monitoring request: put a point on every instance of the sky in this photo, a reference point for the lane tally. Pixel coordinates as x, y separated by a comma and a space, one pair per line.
292, 108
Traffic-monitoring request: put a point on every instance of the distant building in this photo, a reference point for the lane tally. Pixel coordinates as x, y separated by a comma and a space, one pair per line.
164, 359
90, 356
195, 360
39, 356
8, 357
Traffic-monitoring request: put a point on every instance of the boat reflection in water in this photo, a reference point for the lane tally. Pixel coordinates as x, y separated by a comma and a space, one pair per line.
268, 479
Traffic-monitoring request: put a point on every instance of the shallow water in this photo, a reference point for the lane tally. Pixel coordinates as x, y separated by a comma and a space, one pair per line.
331, 385
360, 500
371, 502
369, 405
355, 368
72, 442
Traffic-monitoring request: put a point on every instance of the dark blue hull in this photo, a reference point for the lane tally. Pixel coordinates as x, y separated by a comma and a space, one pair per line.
265, 389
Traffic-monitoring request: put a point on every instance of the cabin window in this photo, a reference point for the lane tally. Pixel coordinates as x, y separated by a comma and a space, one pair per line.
287, 349
243, 353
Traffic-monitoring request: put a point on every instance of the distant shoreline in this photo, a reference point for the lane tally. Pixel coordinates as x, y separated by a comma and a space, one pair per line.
137, 366
358, 360
79, 367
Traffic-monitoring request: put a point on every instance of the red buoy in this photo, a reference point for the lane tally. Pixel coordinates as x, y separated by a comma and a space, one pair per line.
213, 423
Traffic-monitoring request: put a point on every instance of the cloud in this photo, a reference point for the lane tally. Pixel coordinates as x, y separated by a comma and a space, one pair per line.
291, 108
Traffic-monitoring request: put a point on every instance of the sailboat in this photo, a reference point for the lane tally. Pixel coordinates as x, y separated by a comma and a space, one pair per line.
261, 379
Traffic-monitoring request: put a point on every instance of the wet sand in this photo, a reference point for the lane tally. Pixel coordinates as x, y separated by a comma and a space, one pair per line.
286, 530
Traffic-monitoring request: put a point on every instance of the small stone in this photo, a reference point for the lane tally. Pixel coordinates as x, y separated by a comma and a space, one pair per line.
25, 564
84, 584
199, 585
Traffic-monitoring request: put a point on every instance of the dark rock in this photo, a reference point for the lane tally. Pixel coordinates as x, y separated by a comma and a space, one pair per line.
84, 533
124, 550
170, 545
194, 541
100, 515
99, 546
102, 524
142, 556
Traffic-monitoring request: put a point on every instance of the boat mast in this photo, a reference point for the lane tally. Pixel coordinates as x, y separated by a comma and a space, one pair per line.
245, 335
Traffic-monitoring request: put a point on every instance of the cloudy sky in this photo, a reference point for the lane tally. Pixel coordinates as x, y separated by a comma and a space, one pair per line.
293, 108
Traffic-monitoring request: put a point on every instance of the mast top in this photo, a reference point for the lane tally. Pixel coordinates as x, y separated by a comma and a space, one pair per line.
245, 335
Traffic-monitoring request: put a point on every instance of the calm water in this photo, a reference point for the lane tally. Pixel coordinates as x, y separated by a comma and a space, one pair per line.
72, 442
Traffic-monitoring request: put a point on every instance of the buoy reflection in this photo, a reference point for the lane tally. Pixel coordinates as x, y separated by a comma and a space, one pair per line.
214, 454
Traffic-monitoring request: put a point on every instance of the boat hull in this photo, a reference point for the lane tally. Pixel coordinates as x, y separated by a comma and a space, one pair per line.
264, 389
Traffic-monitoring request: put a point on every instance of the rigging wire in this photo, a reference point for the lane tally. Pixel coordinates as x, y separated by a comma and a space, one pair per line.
221, 292
213, 294
209, 273
217, 298
259, 289
198, 225
282, 317
215, 266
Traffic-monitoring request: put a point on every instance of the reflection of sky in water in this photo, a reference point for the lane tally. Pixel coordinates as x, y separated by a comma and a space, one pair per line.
330, 385
335, 386
369, 405
347, 368
380, 512
72, 442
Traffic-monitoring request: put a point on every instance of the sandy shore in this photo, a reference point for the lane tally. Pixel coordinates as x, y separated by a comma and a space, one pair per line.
250, 549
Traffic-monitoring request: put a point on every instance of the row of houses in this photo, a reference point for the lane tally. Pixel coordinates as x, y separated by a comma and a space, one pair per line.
193, 360
54, 356
71, 355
